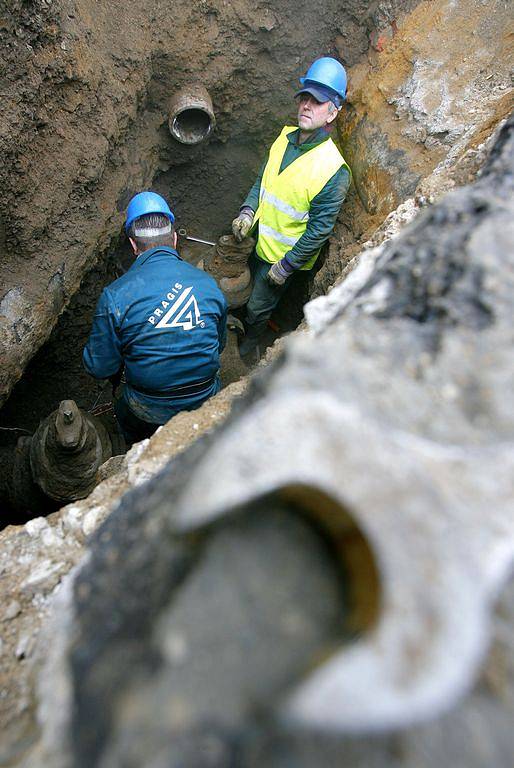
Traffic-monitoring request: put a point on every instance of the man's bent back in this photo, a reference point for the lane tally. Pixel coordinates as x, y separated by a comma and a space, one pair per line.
164, 321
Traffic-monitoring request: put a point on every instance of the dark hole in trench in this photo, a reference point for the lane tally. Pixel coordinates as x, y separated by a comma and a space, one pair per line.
205, 185
56, 372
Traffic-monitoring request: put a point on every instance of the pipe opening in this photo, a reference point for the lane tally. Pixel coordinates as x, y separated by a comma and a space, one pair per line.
351, 548
192, 126
191, 115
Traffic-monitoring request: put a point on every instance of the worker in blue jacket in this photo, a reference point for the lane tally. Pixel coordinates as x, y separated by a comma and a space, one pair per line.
294, 203
163, 321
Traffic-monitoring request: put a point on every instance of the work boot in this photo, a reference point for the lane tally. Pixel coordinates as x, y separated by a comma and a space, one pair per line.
251, 339
247, 345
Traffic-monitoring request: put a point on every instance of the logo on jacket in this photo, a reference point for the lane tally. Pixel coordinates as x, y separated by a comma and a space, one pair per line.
183, 313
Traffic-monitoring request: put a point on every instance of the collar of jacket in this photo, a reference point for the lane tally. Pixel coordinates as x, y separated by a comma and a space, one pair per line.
143, 257
318, 136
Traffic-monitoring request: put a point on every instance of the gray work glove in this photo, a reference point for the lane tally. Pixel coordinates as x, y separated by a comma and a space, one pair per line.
242, 225
279, 272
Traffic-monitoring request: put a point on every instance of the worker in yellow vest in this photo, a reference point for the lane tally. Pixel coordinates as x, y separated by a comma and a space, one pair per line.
293, 205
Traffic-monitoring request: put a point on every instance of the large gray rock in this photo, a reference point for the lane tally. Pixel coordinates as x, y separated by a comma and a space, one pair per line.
328, 560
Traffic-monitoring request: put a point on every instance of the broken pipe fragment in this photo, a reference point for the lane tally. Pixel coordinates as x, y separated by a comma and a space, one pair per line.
191, 115
66, 452
229, 267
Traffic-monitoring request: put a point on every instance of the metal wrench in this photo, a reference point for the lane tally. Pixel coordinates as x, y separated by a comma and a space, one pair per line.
182, 232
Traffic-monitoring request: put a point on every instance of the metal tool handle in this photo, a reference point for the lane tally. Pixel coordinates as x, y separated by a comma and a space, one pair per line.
182, 232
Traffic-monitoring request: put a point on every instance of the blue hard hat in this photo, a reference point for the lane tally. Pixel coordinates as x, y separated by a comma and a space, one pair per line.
327, 72
144, 203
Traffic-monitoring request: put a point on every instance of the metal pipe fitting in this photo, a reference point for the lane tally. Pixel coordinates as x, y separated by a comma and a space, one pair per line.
191, 115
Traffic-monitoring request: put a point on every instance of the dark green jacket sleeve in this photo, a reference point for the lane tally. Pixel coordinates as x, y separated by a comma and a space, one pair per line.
323, 213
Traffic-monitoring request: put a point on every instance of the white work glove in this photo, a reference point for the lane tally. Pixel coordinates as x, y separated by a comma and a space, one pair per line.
242, 225
279, 272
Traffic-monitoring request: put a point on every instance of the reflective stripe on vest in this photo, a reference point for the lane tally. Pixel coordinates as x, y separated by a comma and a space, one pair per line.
267, 197
285, 198
274, 235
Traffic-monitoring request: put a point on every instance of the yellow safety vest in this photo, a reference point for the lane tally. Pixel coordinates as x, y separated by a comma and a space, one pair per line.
285, 198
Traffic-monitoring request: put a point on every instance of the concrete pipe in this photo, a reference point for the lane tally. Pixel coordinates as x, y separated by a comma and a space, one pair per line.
191, 117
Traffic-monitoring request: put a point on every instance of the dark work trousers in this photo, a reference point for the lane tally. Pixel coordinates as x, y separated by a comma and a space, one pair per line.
135, 429
132, 428
264, 297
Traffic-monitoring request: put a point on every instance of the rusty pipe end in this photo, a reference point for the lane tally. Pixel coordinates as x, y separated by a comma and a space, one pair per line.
191, 115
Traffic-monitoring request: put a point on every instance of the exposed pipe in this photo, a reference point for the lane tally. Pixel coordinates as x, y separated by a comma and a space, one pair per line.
229, 267
191, 115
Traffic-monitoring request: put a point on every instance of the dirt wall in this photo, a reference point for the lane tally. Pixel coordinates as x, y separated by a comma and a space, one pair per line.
430, 90
424, 96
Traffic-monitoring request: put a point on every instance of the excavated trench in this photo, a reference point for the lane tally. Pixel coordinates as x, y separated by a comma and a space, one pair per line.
198, 146
56, 373
190, 113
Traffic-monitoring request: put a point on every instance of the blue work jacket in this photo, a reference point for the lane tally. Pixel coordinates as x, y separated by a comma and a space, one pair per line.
165, 321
